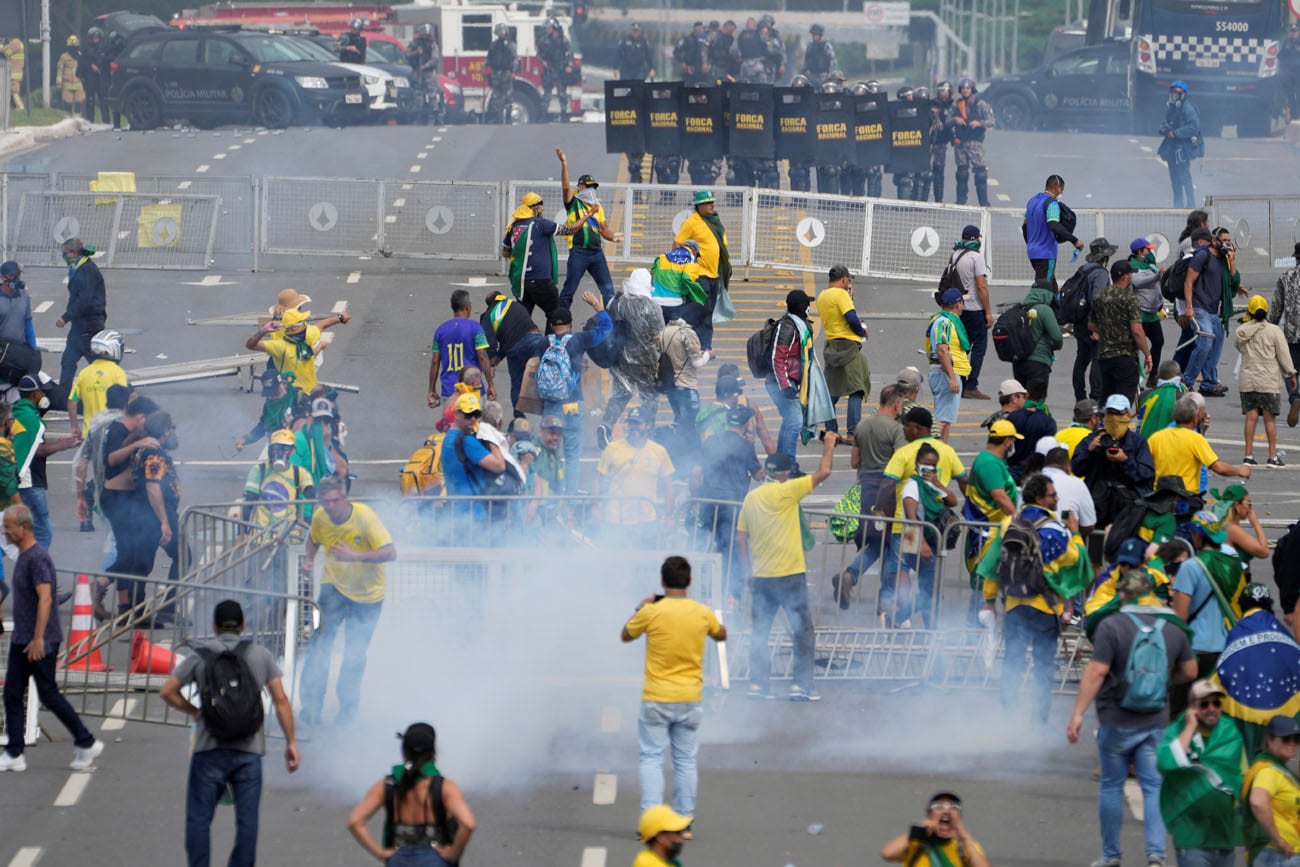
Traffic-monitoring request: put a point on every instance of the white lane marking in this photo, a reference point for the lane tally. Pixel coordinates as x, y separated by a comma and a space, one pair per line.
993, 182
218, 156
263, 132
605, 789
202, 169
116, 720
1132, 141
438, 137
43, 306
1133, 795
594, 856
399, 203
1003, 197
340, 307
326, 339
611, 720
354, 277
29, 855
1146, 149
184, 185
233, 148
249, 140
209, 280
73, 789
422, 155
415, 169
442, 129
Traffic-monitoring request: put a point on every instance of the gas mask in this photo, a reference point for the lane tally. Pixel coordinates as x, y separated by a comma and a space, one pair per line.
1117, 424
1175, 97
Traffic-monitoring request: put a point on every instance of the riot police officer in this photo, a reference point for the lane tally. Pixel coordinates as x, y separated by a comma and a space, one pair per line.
724, 58
425, 59
351, 44
1180, 143
832, 177
1288, 67
752, 52
971, 118
92, 69
921, 180
940, 137
500, 69
800, 170
635, 59
691, 58
818, 57
556, 56
868, 180
774, 48
905, 182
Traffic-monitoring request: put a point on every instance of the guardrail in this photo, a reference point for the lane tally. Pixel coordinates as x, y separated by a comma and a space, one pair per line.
1264, 228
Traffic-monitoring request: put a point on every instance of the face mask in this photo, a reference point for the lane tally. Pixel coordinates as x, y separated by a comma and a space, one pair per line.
1149, 258
1175, 99
587, 197
68, 258
43, 403
638, 437
1117, 425
673, 850
1171, 569
280, 463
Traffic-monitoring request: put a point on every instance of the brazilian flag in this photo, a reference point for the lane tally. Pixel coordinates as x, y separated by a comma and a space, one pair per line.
675, 275
520, 251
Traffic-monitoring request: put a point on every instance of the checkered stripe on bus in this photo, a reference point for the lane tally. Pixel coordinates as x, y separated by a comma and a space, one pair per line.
1226, 49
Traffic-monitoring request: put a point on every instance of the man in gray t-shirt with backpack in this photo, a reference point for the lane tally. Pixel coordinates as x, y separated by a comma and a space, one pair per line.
1137, 653
229, 739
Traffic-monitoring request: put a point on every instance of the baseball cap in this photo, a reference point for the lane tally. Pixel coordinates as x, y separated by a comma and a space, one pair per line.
271, 380
949, 297
560, 316
588, 181
293, 317
1132, 553
1118, 403
467, 403
729, 385
909, 376
322, 407
1085, 409
1046, 444
919, 415
1256, 304
797, 299
1204, 688
419, 739
1134, 582
1208, 524
228, 615
739, 415
1254, 595
1283, 727
1010, 387
636, 415
28, 383
1139, 244
1119, 269
1004, 428
658, 819
551, 422
779, 462
10, 269
970, 233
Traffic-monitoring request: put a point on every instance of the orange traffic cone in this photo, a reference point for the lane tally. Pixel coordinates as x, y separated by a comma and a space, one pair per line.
149, 658
79, 642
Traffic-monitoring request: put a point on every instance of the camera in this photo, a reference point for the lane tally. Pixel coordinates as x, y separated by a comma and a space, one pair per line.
1107, 441
1165, 129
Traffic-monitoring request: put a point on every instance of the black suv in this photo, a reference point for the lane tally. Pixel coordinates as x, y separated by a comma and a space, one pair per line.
212, 76
1087, 88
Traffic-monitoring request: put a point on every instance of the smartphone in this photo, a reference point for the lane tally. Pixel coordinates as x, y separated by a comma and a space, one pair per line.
1065, 516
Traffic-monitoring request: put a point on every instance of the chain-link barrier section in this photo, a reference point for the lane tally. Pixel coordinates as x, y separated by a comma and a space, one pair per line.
807, 232
913, 240
442, 219
1160, 226
325, 216
1264, 228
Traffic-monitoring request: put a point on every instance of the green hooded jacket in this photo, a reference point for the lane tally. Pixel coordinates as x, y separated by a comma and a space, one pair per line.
1043, 326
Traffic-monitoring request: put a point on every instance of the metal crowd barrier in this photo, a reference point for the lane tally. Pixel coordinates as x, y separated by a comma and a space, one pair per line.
1264, 228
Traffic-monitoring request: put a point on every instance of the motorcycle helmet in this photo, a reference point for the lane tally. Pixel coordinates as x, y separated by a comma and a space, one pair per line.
107, 344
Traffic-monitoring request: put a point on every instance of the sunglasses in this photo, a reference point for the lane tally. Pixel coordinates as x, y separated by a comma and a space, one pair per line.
1290, 739
1209, 702
945, 805
923, 468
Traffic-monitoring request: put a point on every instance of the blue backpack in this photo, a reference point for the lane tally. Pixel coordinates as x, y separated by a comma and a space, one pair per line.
556, 375
1146, 674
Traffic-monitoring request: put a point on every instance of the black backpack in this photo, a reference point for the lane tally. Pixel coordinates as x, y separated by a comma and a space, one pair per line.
1076, 298
487, 483
608, 351
1286, 567
758, 350
1174, 278
1020, 564
950, 279
230, 698
1013, 341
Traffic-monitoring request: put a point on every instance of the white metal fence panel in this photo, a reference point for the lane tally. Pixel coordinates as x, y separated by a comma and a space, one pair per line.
326, 216
913, 240
1264, 228
806, 232
1005, 248
1160, 226
442, 219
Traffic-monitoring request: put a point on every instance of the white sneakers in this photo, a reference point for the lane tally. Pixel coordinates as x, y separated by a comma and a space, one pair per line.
17, 764
82, 759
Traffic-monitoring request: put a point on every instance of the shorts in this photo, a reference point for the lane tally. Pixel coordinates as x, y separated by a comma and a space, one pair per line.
1259, 401
946, 404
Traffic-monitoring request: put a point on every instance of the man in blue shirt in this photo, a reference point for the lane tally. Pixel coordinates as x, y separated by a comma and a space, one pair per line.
1044, 231
469, 477
458, 343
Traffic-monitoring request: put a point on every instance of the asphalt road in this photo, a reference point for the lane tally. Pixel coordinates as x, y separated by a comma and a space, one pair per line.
862, 763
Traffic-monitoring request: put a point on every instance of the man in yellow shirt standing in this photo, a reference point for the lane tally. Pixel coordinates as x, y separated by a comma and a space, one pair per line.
357, 545
705, 228
847, 371
89, 395
769, 538
636, 474
1184, 452
675, 628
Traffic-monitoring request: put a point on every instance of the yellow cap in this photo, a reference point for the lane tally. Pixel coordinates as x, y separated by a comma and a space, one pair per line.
294, 317
468, 403
1257, 304
659, 818
282, 437
1003, 428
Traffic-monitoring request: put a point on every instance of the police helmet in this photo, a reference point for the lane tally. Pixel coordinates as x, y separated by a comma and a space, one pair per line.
356, 24
874, 86
107, 344
766, 21
905, 92
831, 87
552, 23
817, 30
859, 88
94, 33
115, 39
836, 76
965, 83
922, 93
73, 41
800, 81
943, 88
424, 30
500, 30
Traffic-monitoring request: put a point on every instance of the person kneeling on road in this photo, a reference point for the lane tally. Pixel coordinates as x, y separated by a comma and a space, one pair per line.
940, 839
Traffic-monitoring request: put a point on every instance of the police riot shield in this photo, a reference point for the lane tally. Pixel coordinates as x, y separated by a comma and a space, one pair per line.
909, 137
832, 143
794, 128
750, 126
871, 129
663, 130
625, 117
703, 136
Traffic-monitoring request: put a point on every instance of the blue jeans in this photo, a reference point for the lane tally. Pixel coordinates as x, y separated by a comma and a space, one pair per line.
1026, 628
1206, 352
582, 261
787, 438
417, 855
574, 425
685, 403
211, 771
1209, 858
922, 571
1274, 858
517, 360
700, 316
1180, 178
20, 670
360, 617
769, 594
660, 725
35, 499
1120, 748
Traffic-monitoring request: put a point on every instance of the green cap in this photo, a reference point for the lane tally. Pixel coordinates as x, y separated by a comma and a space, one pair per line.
704, 197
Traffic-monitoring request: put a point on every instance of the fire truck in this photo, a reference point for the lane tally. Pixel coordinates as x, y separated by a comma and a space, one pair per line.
463, 30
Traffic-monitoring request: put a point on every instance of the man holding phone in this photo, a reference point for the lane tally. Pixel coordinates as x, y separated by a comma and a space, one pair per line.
940, 839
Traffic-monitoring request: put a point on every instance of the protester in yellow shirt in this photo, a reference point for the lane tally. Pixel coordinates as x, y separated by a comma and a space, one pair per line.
89, 392
941, 839
675, 628
845, 366
1184, 452
1272, 824
357, 545
636, 474
663, 832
